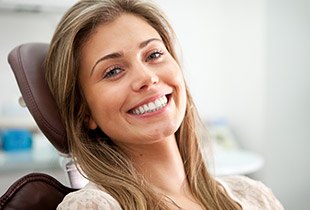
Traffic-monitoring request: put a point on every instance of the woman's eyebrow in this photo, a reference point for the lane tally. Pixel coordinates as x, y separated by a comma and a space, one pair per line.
106, 57
146, 42
120, 54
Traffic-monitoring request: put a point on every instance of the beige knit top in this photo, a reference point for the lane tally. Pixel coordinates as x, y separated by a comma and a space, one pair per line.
250, 194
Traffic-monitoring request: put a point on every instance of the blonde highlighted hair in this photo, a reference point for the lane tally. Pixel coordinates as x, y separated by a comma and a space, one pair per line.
101, 160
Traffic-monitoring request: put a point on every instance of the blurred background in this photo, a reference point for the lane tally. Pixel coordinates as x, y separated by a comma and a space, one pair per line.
247, 64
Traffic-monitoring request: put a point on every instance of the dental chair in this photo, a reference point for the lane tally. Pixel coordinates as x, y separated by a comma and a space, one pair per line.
37, 190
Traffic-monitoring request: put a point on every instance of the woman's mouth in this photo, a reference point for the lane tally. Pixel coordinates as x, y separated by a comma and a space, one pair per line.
152, 106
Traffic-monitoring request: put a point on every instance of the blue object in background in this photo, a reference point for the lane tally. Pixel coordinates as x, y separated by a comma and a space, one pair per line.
16, 140
1, 139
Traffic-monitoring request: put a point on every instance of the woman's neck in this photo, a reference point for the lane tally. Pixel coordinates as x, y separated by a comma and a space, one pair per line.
161, 165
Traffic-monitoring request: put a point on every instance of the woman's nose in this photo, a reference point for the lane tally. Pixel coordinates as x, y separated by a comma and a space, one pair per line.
144, 78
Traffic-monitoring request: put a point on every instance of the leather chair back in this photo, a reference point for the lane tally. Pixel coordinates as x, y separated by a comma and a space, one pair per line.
26, 61
35, 191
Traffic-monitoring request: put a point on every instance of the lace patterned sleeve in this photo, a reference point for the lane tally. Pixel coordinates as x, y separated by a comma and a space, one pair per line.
89, 199
250, 194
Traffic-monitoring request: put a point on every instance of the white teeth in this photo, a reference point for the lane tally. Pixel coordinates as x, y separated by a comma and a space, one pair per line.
165, 100
151, 106
141, 109
158, 103
146, 108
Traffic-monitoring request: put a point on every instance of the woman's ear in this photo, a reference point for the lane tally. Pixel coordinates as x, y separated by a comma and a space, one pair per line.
91, 123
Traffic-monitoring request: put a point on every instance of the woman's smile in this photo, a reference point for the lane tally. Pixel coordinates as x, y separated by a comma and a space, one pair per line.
151, 106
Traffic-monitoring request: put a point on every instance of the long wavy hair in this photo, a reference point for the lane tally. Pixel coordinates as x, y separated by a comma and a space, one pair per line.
98, 157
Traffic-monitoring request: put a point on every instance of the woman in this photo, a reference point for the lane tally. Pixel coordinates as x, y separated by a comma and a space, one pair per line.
130, 120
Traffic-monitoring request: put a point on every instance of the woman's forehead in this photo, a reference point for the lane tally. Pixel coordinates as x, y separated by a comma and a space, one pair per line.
126, 33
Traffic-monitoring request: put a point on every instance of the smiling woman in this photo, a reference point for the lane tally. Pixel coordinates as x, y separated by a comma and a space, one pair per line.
131, 122
130, 80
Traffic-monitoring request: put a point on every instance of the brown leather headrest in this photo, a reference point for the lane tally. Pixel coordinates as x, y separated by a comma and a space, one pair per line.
26, 62
34, 191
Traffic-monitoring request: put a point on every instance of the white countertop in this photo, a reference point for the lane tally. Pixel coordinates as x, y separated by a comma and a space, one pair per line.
236, 161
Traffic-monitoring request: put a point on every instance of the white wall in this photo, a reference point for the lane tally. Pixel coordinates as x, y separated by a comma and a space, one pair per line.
247, 61
18, 28
287, 142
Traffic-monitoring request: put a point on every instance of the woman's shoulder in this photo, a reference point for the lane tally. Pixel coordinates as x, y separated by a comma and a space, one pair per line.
249, 193
89, 197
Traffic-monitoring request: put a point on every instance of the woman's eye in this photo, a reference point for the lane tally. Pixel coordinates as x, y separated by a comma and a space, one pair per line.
154, 55
113, 72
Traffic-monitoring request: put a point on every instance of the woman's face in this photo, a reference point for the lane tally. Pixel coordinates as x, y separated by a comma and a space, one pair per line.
133, 86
